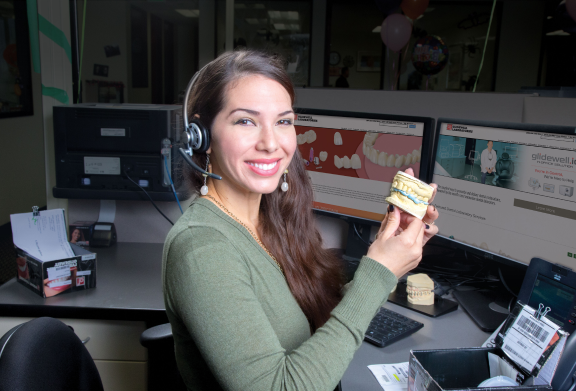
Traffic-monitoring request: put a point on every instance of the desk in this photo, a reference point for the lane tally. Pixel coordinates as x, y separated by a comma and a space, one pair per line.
129, 289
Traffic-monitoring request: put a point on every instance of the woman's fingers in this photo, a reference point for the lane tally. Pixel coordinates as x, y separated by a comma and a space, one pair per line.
390, 224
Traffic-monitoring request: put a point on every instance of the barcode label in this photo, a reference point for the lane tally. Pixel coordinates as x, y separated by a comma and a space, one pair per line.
532, 328
58, 272
514, 352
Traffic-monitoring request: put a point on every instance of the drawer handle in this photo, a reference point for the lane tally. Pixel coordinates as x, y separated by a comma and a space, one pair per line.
85, 341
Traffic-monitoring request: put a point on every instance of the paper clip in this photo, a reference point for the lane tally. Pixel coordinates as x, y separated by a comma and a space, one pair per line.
542, 311
35, 211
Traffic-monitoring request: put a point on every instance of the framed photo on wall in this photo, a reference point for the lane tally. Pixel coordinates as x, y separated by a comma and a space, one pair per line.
368, 61
15, 70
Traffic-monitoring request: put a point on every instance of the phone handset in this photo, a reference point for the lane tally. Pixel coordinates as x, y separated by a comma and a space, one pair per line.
565, 375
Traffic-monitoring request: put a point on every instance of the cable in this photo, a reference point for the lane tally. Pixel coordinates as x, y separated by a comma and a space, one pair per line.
172, 184
358, 234
148, 195
485, 44
504, 283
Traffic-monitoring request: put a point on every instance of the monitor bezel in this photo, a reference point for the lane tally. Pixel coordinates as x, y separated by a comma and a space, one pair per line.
427, 142
541, 128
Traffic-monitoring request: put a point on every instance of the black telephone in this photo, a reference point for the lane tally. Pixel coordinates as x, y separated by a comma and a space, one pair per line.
555, 286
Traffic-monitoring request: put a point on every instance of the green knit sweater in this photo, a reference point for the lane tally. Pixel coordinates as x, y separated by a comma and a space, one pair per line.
235, 323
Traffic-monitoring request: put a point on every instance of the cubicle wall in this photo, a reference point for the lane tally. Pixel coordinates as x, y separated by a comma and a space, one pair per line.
137, 221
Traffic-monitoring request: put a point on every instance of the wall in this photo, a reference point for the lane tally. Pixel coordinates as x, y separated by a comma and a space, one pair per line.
107, 23
349, 23
520, 45
22, 173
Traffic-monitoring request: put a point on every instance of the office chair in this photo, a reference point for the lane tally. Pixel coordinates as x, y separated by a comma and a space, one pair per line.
45, 354
162, 370
504, 168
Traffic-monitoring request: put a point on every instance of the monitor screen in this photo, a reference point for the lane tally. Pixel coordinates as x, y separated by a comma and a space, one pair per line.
352, 158
507, 190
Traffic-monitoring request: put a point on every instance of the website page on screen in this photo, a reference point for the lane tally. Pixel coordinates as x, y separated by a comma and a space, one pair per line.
509, 192
352, 161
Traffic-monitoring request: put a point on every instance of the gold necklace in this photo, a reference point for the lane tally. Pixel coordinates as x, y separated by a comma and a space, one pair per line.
249, 230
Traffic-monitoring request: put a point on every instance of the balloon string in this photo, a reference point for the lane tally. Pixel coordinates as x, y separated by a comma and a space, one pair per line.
400, 63
485, 44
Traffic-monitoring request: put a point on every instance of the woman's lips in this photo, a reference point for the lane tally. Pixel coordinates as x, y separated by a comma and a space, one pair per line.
60, 287
264, 167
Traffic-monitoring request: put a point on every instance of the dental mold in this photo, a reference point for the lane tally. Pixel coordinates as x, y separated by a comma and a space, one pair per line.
383, 158
410, 194
323, 156
419, 288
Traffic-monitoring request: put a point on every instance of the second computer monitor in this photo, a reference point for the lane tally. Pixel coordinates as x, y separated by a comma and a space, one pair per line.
352, 158
509, 195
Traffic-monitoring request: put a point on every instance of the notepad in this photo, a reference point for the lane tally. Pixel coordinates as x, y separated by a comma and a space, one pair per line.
43, 236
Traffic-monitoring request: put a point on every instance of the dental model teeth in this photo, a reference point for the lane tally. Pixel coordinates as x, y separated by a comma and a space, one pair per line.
346, 162
301, 139
310, 136
382, 157
323, 156
410, 194
356, 162
419, 288
399, 161
337, 161
337, 138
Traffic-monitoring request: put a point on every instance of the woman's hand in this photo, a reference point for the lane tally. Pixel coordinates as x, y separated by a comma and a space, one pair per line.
399, 252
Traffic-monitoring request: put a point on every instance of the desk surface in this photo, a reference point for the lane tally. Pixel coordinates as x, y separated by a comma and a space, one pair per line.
129, 288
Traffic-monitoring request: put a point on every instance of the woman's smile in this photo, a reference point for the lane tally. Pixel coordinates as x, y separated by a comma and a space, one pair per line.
264, 167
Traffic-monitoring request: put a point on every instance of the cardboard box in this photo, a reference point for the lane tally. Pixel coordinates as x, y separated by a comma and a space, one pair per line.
59, 276
454, 369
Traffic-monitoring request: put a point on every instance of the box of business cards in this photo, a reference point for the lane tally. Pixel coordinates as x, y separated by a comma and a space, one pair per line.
56, 277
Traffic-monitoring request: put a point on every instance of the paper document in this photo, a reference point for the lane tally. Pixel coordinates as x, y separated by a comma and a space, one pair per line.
44, 236
392, 377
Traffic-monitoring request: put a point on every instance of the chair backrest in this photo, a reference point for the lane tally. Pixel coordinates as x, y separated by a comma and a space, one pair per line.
45, 354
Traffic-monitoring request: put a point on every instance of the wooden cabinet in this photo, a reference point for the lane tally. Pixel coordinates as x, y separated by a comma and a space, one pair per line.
113, 344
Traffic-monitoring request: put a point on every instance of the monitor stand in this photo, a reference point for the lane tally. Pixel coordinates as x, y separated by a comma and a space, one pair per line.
488, 308
356, 248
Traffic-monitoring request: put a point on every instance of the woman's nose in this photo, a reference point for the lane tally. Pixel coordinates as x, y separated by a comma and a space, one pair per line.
268, 141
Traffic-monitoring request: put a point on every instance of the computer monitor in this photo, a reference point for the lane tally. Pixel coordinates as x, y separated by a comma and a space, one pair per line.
510, 197
351, 159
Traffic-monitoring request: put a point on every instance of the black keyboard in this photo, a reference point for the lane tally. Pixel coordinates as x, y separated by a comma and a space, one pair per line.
388, 327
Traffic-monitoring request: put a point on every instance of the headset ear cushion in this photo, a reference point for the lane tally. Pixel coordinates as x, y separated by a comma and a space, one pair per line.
205, 136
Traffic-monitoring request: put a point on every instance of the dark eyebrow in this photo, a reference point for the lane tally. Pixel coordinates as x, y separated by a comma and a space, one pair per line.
253, 112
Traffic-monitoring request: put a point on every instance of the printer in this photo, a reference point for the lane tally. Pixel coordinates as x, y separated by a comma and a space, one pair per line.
103, 150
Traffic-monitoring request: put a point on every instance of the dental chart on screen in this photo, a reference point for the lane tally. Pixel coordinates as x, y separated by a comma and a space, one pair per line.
352, 161
508, 191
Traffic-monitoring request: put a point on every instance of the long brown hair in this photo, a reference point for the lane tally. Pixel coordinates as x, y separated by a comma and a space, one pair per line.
287, 226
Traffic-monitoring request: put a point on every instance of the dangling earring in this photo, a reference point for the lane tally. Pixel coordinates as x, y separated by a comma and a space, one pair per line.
204, 189
284, 186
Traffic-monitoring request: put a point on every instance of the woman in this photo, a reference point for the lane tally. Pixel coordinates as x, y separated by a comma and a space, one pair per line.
254, 300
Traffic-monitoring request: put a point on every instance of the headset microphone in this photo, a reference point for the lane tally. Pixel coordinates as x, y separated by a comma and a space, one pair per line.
195, 136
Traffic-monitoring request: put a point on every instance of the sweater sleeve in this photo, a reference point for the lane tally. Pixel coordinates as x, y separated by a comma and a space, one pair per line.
209, 287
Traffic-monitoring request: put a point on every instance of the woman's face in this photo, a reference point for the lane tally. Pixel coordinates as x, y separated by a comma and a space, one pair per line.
253, 137
75, 236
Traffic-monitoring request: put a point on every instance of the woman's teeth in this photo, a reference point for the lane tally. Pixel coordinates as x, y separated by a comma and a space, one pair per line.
265, 167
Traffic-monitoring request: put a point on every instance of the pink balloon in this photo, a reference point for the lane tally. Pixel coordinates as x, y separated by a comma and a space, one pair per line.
571, 8
396, 31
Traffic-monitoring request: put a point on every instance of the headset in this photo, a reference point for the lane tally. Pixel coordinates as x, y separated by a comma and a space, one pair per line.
195, 137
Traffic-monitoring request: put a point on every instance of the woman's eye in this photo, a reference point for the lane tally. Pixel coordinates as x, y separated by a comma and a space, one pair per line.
285, 122
244, 121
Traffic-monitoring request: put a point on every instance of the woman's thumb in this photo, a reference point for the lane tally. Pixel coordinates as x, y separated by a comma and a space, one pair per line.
392, 224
